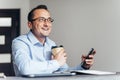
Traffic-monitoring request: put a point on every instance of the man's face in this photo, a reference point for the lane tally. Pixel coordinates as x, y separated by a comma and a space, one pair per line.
41, 24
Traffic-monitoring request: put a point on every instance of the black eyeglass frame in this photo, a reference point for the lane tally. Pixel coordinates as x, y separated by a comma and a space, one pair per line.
42, 19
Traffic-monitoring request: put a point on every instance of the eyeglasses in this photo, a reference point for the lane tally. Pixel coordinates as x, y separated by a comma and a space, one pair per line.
42, 19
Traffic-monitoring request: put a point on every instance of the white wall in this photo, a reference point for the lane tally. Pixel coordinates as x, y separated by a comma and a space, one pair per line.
23, 5
82, 24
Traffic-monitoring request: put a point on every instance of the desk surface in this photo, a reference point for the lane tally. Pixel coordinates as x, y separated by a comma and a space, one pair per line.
76, 77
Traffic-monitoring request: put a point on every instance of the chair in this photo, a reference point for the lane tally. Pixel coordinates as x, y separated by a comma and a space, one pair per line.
7, 69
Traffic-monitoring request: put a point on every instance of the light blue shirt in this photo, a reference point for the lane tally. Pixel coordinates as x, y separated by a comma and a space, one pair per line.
32, 57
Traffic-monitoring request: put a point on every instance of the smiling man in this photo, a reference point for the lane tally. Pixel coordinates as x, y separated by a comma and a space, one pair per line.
32, 52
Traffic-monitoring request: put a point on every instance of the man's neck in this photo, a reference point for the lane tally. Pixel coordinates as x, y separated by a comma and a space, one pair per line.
42, 40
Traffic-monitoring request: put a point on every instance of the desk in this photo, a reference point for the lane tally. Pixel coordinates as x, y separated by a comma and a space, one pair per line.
76, 77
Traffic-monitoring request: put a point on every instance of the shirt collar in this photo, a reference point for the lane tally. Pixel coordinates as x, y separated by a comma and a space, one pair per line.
34, 40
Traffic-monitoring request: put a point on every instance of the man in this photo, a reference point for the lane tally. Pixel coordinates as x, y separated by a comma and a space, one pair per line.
32, 52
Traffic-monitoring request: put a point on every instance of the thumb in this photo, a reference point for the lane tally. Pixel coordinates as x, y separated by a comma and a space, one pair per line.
83, 57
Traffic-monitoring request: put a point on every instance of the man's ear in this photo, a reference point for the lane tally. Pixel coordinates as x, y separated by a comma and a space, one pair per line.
30, 25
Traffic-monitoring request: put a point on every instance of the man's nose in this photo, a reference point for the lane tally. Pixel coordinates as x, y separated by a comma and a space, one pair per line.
46, 23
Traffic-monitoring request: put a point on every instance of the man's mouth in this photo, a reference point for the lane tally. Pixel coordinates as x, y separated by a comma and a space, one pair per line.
45, 29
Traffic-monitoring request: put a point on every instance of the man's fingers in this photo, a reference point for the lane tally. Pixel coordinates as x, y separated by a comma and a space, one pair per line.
89, 61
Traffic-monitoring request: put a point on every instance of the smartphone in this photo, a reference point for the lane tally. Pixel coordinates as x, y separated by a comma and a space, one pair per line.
87, 57
90, 53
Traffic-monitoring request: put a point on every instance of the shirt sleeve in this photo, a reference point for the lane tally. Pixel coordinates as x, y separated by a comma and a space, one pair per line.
63, 68
25, 65
78, 67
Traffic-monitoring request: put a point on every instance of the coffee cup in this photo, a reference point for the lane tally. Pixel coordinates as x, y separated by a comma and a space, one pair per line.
56, 49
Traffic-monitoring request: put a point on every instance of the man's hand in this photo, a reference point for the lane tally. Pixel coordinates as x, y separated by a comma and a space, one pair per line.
60, 57
88, 62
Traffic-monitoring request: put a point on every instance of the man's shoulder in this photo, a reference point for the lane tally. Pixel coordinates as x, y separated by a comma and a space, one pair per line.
21, 38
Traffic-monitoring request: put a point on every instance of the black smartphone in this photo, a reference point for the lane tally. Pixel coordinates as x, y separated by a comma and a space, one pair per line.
87, 57
90, 52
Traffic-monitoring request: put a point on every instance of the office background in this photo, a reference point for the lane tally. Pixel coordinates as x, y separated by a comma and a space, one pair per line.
80, 25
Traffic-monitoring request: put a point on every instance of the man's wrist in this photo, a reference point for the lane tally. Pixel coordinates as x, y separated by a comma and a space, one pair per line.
85, 66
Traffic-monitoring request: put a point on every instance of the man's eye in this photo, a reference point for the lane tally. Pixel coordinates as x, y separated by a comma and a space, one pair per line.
41, 19
50, 19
